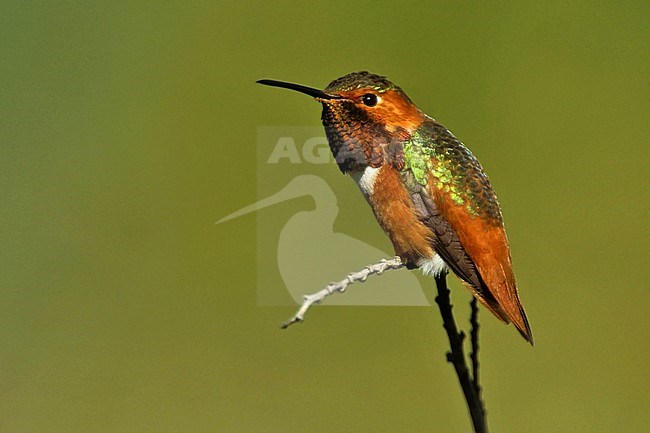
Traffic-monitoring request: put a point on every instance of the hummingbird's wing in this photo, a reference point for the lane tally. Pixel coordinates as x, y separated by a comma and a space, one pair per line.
459, 205
447, 244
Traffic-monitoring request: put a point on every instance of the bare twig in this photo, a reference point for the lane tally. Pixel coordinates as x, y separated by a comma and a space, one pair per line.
340, 286
457, 357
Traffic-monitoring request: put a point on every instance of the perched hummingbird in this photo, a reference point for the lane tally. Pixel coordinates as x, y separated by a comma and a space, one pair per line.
428, 192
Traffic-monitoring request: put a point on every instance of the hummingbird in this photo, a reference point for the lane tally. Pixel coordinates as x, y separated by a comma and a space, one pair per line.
428, 192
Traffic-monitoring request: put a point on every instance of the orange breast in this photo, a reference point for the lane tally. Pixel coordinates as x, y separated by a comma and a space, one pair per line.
396, 214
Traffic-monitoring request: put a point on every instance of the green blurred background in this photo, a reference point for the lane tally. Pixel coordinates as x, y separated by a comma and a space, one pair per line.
128, 128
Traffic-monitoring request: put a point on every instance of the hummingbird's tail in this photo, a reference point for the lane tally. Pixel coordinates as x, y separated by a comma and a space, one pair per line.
507, 308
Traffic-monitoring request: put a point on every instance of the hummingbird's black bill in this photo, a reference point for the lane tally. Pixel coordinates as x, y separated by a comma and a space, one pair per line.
316, 93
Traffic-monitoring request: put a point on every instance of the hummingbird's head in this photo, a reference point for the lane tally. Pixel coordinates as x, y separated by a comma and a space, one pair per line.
362, 97
361, 112
369, 97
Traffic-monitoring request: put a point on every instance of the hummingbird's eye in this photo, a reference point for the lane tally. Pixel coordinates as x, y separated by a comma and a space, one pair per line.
369, 99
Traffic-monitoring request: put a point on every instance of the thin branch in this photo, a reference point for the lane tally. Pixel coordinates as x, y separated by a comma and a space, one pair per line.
457, 357
473, 356
340, 286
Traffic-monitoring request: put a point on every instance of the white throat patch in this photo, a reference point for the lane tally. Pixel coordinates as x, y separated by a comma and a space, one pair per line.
366, 180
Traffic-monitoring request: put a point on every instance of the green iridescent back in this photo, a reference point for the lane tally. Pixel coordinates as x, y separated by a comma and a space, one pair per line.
434, 151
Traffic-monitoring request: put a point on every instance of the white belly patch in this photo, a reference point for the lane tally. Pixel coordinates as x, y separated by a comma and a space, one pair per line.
434, 266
